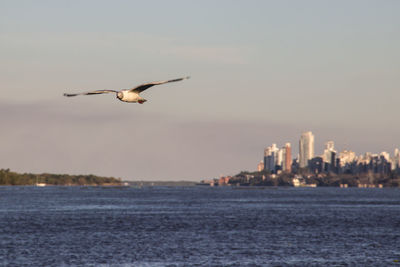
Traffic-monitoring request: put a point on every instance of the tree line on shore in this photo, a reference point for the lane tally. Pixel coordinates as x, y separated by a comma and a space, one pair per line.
8, 177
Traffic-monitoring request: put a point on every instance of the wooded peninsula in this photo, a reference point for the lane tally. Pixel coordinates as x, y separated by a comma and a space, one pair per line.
8, 177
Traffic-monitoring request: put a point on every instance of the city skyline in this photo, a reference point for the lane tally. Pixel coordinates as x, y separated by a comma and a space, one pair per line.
329, 161
331, 148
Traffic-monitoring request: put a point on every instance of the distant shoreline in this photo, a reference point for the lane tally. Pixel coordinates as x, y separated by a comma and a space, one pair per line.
364, 180
10, 178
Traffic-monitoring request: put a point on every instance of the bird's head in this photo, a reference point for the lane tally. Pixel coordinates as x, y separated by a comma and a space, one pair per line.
120, 95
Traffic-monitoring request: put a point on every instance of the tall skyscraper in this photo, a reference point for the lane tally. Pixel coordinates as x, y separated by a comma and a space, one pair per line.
396, 162
329, 157
279, 158
287, 158
306, 148
330, 145
346, 157
270, 158
260, 166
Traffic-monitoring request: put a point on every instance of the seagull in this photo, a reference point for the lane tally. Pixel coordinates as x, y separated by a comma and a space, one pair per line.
129, 95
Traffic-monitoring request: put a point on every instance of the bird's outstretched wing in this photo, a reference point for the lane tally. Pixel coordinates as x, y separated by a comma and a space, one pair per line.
93, 92
141, 88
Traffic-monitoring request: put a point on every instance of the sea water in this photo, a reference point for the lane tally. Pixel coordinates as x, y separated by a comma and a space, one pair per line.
199, 226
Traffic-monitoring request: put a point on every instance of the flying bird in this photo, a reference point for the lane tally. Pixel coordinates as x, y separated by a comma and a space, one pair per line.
129, 95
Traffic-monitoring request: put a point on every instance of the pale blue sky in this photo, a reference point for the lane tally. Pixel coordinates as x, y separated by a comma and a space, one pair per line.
262, 72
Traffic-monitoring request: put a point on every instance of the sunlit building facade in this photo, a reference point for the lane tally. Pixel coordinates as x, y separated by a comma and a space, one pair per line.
260, 166
396, 160
287, 158
270, 154
306, 149
329, 157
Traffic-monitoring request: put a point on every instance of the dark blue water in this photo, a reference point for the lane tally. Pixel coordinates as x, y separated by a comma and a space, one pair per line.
88, 226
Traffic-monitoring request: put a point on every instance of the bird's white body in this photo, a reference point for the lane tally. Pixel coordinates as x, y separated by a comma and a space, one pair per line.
129, 95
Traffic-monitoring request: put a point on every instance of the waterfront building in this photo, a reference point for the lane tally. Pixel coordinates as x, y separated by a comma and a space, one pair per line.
396, 160
295, 165
306, 149
330, 145
329, 157
224, 180
269, 158
347, 161
382, 163
346, 157
279, 159
363, 163
316, 165
260, 166
386, 155
287, 158
373, 163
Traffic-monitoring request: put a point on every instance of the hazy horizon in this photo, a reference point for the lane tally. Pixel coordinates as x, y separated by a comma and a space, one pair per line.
262, 72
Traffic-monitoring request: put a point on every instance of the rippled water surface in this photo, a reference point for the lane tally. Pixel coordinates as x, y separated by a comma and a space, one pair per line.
192, 226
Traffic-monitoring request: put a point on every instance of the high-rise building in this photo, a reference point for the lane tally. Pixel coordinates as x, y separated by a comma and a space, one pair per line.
306, 148
347, 161
279, 159
330, 145
267, 154
260, 166
315, 165
329, 148
385, 155
269, 158
329, 160
287, 158
382, 163
396, 159
346, 157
